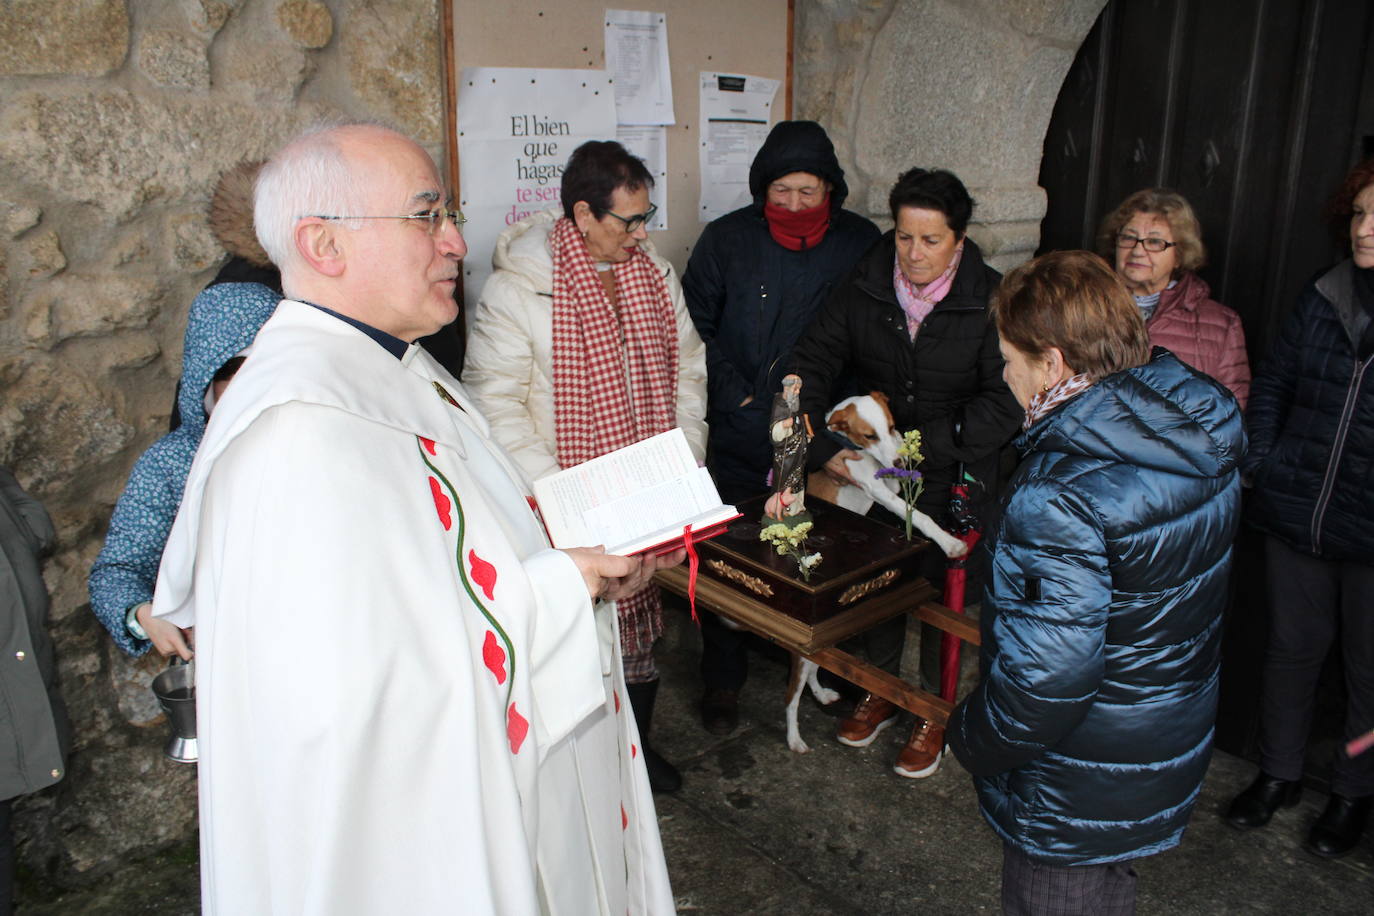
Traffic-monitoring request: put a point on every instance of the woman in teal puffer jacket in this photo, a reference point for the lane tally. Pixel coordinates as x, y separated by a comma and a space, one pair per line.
1090, 732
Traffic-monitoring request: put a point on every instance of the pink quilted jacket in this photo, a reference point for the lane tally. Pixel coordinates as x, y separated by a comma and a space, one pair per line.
1203, 333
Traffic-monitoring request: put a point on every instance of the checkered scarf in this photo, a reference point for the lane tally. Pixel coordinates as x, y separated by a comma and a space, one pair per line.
614, 376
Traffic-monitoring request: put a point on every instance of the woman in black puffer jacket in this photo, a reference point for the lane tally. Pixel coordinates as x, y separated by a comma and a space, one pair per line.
912, 322
1311, 459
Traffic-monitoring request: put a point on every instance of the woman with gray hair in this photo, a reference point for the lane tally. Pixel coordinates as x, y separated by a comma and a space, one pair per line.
1154, 241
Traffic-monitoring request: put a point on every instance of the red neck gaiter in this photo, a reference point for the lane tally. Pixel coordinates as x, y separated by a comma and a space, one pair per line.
801, 230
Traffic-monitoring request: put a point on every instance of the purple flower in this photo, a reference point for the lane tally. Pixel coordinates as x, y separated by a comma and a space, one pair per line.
900, 473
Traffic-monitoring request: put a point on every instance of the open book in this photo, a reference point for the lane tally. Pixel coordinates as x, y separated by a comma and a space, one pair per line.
634, 499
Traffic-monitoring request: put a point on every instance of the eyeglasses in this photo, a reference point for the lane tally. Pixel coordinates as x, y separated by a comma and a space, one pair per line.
434, 220
1155, 245
632, 223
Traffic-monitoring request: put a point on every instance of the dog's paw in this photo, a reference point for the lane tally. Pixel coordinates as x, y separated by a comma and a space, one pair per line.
825, 695
797, 745
956, 549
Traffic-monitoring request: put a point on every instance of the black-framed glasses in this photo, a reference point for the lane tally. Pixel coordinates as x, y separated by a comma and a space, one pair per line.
632, 223
1127, 241
434, 220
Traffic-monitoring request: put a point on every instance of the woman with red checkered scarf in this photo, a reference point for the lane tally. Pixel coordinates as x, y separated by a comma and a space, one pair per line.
581, 344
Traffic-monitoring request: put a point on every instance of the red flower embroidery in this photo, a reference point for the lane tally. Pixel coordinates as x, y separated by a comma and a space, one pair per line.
624, 820
428, 444
441, 504
494, 657
616, 694
634, 752
483, 573
517, 727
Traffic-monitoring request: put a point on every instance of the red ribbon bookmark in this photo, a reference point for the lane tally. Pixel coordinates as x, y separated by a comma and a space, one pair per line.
693, 563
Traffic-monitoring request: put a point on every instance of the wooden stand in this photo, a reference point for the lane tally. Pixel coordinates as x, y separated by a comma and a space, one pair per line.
866, 576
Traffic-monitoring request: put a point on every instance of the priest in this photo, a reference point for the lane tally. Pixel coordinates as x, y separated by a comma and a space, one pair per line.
407, 700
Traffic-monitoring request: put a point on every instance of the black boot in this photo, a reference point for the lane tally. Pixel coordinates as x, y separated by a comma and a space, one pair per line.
663, 776
1339, 828
1257, 804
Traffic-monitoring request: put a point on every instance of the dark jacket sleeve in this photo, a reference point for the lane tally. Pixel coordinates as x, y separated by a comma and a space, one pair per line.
819, 358
37, 526
1047, 659
990, 418
704, 288
1271, 390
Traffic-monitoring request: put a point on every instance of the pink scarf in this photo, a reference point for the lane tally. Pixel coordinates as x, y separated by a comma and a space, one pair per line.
917, 301
1047, 400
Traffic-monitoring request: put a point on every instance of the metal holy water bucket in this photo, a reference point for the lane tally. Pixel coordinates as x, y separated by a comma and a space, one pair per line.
175, 689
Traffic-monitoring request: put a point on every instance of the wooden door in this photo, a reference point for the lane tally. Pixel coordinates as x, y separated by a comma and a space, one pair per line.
1254, 111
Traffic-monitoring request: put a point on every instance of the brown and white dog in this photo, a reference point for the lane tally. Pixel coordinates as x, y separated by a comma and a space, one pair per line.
866, 421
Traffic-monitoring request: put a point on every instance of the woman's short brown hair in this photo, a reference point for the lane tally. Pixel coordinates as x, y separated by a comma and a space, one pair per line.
1175, 210
1072, 300
1343, 203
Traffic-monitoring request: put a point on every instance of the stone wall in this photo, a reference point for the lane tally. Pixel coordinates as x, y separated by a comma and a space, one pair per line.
967, 85
116, 117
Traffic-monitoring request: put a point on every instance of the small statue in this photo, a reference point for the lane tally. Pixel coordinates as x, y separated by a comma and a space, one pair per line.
790, 431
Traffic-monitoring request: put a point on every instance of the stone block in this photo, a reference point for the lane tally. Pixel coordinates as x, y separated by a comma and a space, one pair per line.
207, 16
1006, 205
118, 151
308, 22
94, 305
132, 680
983, 116
43, 256
1062, 21
271, 67
130, 350
174, 60
394, 63
16, 219
57, 425
68, 38
190, 245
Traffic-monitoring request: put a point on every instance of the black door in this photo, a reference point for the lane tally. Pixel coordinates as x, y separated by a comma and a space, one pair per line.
1254, 111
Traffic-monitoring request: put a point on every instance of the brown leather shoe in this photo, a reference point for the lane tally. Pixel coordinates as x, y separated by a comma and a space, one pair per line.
921, 756
872, 715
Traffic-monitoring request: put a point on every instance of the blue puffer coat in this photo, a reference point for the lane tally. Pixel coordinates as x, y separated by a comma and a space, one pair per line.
223, 320
1090, 732
1311, 423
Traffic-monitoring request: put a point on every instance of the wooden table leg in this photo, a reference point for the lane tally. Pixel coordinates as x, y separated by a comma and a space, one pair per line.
888, 686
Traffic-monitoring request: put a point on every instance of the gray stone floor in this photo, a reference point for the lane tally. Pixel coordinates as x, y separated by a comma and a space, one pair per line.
758, 829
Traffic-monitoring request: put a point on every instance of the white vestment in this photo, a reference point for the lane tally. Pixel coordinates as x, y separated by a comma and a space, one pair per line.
406, 701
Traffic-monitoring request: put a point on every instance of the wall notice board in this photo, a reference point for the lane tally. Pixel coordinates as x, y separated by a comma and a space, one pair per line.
750, 37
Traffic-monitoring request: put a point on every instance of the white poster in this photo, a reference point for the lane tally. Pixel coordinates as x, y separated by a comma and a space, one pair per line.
637, 59
516, 129
651, 145
735, 113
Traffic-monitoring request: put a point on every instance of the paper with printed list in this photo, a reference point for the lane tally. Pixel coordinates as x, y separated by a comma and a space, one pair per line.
637, 59
634, 499
735, 112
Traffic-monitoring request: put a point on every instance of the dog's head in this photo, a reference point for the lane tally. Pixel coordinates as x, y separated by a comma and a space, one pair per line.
867, 422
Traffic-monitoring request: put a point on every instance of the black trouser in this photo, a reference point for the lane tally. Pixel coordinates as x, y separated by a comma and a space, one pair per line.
1315, 602
1031, 888
6, 858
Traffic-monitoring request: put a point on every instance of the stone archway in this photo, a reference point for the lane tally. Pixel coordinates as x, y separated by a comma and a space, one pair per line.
958, 84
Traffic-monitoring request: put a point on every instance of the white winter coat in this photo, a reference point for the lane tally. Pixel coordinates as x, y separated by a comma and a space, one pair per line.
509, 363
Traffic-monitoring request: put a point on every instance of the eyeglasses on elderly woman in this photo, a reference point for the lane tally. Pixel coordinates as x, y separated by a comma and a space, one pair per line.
1126, 241
632, 223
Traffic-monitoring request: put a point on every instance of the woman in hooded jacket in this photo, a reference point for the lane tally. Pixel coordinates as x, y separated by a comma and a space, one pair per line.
1090, 732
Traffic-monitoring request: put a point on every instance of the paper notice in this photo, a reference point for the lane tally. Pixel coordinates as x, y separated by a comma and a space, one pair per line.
637, 59
651, 145
516, 129
735, 113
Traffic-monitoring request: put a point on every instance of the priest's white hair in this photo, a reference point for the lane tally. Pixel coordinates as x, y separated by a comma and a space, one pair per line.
309, 176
